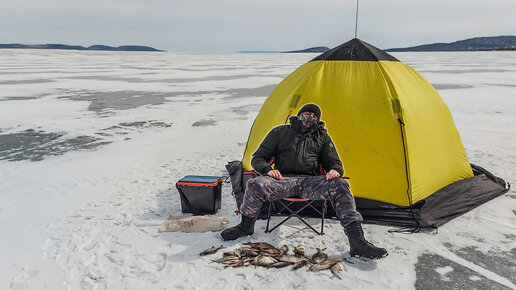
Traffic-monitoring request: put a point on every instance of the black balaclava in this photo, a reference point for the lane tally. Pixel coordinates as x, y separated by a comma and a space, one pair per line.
307, 120
311, 108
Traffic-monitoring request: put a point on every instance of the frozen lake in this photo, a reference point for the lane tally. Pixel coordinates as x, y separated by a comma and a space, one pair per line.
92, 143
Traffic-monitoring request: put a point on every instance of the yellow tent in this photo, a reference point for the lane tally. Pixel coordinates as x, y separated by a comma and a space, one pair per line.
393, 132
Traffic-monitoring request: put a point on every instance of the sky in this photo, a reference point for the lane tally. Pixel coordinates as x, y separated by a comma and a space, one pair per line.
236, 25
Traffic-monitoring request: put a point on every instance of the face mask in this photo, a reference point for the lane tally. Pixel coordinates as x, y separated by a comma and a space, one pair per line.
307, 120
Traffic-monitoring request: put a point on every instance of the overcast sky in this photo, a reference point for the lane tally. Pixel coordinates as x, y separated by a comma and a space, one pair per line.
234, 25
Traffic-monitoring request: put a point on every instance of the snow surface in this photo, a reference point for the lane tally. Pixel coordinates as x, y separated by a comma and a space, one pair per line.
92, 143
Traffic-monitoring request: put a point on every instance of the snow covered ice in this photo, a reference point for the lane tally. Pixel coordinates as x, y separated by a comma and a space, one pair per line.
92, 143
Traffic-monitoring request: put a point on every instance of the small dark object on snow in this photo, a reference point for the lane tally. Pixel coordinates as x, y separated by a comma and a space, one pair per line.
261, 246
211, 250
325, 265
300, 264
335, 269
266, 255
264, 261
283, 249
279, 265
320, 256
299, 251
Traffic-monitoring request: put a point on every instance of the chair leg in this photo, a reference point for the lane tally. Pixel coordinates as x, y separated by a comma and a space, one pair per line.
308, 225
323, 215
296, 214
269, 217
286, 219
292, 213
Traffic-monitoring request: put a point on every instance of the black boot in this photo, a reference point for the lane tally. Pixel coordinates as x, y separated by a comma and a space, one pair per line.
245, 228
359, 246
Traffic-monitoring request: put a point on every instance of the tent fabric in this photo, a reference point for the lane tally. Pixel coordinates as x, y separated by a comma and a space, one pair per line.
459, 198
436, 156
393, 132
355, 49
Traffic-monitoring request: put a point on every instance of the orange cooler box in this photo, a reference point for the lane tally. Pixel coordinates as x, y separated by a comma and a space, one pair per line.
200, 194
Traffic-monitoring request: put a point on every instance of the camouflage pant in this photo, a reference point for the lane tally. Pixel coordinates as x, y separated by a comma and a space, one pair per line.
265, 188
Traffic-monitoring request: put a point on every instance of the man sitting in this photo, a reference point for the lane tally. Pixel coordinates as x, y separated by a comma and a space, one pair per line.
298, 150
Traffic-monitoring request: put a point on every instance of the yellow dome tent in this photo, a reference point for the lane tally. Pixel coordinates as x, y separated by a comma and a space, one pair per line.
393, 132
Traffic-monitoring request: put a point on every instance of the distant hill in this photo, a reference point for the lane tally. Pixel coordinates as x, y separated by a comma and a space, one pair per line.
471, 44
259, 51
317, 49
78, 47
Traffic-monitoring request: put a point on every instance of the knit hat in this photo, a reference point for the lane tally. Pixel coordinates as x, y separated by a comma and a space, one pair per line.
311, 108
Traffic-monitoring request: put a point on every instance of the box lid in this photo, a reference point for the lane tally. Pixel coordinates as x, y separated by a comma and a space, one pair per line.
200, 179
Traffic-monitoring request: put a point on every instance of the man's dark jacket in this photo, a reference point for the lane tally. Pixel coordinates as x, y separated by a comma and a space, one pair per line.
296, 152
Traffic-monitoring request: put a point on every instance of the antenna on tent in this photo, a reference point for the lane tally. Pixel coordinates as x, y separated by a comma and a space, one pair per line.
356, 21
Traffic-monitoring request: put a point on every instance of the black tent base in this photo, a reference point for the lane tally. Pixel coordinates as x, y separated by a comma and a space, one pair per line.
447, 203
437, 209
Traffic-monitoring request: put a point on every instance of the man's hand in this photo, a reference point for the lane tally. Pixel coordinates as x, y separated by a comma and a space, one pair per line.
275, 174
331, 174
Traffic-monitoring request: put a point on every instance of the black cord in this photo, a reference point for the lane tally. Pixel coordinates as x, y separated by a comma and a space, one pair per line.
408, 229
412, 229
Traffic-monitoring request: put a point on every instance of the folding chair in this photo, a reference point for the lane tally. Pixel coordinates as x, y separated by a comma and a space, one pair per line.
285, 203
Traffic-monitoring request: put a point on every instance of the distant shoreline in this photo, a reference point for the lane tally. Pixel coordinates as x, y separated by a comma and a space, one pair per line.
96, 47
491, 43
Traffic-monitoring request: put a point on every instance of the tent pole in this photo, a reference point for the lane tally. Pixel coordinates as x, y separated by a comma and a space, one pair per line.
356, 21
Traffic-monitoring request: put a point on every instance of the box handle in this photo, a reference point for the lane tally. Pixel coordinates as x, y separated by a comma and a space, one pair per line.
187, 202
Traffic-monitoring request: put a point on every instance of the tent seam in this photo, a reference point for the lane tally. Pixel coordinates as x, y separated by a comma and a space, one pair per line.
394, 96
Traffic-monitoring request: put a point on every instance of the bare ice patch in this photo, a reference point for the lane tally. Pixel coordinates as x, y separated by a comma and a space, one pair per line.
128, 127
125, 100
435, 272
19, 98
500, 262
118, 100
463, 71
244, 110
23, 98
35, 145
21, 82
146, 124
170, 80
451, 86
502, 85
251, 92
203, 123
